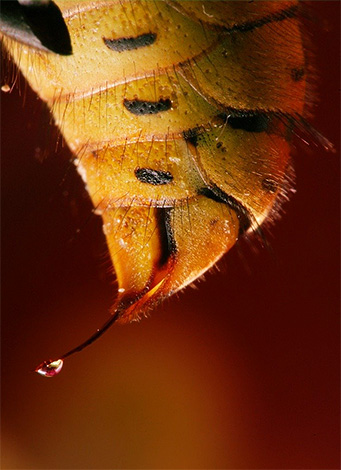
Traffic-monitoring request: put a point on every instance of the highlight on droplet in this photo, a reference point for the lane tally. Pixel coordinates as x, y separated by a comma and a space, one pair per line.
50, 369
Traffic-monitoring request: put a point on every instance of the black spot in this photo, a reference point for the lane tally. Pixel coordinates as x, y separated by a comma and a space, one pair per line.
191, 136
220, 146
250, 122
297, 74
154, 177
130, 43
141, 108
269, 185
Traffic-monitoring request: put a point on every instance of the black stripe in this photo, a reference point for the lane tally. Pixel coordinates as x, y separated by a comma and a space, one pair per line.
167, 240
243, 27
249, 121
154, 177
243, 214
130, 43
289, 12
140, 107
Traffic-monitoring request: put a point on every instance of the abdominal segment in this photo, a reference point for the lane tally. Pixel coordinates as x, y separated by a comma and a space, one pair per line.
158, 251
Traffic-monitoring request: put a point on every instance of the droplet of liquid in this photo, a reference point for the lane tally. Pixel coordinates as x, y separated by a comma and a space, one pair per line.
5, 88
50, 369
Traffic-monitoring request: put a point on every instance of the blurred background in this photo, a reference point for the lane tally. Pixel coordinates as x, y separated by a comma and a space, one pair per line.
242, 372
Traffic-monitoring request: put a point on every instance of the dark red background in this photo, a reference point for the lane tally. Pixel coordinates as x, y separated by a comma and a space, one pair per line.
241, 373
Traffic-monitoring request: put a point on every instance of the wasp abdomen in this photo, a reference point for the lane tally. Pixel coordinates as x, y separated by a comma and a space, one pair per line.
176, 111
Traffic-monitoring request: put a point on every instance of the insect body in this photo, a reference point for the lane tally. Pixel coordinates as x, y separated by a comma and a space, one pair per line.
179, 116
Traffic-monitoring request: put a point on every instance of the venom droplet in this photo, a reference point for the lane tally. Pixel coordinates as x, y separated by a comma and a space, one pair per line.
50, 369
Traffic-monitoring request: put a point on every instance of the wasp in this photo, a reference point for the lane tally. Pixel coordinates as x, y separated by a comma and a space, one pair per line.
180, 116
